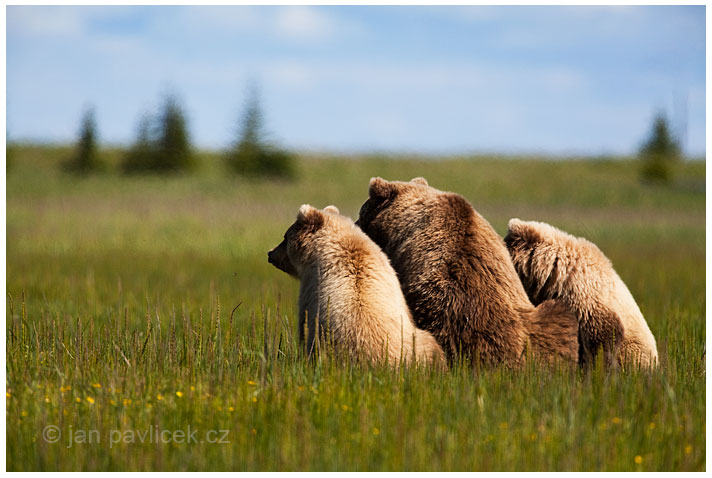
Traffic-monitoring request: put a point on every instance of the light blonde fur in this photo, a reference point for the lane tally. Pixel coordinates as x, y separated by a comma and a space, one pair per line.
349, 291
554, 264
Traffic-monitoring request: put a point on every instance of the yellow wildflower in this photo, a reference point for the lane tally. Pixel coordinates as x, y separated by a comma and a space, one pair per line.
688, 449
24, 413
376, 431
78, 399
616, 420
250, 382
638, 459
96, 385
254, 399
179, 394
90, 400
159, 397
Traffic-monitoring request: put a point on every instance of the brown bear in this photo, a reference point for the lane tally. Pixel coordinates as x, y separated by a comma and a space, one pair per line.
349, 291
458, 278
554, 264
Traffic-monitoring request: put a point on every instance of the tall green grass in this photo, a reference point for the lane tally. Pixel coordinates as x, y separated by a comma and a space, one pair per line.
121, 294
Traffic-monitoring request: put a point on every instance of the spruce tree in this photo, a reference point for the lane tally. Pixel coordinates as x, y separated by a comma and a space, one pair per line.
251, 154
173, 152
141, 155
162, 143
660, 152
86, 158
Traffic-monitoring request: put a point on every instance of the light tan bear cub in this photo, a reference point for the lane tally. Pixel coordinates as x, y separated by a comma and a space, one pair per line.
348, 288
554, 264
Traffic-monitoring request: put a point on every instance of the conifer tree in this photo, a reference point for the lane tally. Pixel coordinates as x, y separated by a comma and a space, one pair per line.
660, 152
86, 158
251, 154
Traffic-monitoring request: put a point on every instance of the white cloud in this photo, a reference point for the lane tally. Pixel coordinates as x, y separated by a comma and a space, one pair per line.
223, 17
204, 19
304, 23
44, 21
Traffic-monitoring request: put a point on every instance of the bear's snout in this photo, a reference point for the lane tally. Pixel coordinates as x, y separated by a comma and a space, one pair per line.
278, 257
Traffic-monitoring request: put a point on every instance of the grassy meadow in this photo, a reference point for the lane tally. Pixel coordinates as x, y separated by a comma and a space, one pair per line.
125, 350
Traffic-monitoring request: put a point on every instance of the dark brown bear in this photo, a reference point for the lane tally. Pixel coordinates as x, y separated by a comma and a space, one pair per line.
458, 279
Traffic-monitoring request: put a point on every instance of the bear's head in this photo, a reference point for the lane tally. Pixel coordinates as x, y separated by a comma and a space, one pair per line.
395, 209
299, 245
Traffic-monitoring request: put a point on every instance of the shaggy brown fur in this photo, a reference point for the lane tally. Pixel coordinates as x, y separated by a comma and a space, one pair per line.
457, 276
554, 264
349, 291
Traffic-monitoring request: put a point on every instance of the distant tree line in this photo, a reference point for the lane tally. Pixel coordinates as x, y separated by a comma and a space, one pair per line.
163, 146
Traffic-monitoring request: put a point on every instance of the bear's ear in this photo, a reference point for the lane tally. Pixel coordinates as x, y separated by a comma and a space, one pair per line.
523, 231
310, 216
380, 188
419, 180
332, 209
514, 227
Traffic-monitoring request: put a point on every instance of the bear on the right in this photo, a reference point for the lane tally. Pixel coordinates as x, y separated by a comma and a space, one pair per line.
553, 264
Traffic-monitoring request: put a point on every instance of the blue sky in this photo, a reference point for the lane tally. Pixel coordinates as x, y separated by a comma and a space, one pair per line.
583, 80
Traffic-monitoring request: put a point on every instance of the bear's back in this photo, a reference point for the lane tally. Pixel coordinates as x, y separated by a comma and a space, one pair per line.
460, 284
574, 270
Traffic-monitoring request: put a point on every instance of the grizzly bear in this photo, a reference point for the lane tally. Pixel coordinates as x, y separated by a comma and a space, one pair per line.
349, 293
458, 279
554, 264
